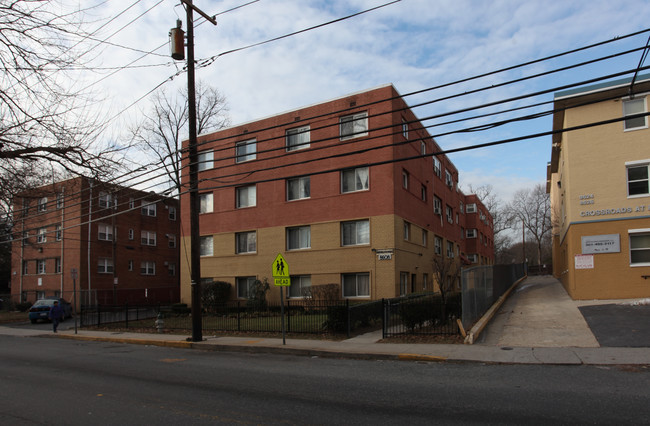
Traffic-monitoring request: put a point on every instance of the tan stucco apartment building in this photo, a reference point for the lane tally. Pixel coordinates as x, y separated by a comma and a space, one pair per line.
347, 191
599, 188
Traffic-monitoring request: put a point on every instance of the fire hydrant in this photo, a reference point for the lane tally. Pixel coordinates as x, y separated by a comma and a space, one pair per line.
159, 322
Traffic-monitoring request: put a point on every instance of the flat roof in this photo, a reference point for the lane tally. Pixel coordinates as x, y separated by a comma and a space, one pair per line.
600, 86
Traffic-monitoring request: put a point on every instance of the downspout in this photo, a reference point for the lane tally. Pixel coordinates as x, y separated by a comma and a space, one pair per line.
22, 255
90, 220
62, 239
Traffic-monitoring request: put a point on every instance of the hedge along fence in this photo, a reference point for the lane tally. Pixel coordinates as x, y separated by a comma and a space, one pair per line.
424, 314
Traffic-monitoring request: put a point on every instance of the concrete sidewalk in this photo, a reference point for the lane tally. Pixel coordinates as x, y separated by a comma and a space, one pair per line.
538, 324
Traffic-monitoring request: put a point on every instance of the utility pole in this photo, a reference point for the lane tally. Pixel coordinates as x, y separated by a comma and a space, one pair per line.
195, 235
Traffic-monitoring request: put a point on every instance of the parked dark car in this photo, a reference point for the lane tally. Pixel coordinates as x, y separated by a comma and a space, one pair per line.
41, 309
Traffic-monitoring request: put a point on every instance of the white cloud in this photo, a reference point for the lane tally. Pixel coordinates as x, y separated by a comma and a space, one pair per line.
414, 44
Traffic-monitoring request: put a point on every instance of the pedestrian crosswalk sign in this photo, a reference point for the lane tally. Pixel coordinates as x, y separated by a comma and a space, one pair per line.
280, 271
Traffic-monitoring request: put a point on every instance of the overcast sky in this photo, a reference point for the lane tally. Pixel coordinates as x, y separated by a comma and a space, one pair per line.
413, 44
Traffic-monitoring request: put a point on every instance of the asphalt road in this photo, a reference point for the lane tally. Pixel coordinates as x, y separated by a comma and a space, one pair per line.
45, 380
622, 326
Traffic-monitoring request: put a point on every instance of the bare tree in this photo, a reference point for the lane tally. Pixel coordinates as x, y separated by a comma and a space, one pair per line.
532, 208
501, 217
163, 128
446, 271
45, 122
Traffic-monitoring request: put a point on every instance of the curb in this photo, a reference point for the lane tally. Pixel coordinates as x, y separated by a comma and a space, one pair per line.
149, 342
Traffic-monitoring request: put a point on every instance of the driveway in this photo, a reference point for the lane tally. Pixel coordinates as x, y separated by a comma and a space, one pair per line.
619, 325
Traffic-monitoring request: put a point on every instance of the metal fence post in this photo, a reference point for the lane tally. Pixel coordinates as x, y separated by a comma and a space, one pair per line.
238, 317
383, 318
288, 316
99, 315
347, 311
126, 311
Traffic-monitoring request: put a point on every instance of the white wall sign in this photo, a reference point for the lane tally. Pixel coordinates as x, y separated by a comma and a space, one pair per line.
584, 261
592, 244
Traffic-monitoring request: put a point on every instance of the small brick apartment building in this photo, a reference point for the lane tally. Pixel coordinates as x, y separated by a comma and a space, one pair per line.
122, 243
349, 193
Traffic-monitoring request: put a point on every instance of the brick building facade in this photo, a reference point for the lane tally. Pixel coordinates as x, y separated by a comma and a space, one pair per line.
122, 243
349, 191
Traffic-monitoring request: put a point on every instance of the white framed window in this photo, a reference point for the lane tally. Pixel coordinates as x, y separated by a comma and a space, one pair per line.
41, 235
637, 179
147, 268
471, 233
423, 148
148, 238
437, 245
354, 126
436, 167
59, 200
300, 286
298, 238
353, 180
449, 180
40, 266
407, 231
245, 150
206, 203
473, 258
356, 232
131, 234
207, 246
450, 214
405, 179
246, 242
105, 232
130, 265
246, 196
171, 240
298, 138
131, 203
172, 213
206, 160
148, 208
298, 188
423, 193
171, 269
405, 129
639, 247
461, 207
106, 200
57, 265
356, 285
450, 249
437, 205
58, 233
425, 237
471, 208
634, 106
245, 287
42, 204
105, 265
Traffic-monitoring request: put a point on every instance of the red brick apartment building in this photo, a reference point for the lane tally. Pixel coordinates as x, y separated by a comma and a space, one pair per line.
122, 243
349, 193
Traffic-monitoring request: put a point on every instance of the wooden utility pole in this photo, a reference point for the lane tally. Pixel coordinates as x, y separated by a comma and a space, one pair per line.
195, 235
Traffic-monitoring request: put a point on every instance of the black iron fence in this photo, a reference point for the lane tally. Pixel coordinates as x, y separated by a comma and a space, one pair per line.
422, 314
427, 314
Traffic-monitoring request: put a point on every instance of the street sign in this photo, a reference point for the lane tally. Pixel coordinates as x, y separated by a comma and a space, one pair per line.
280, 267
280, 272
